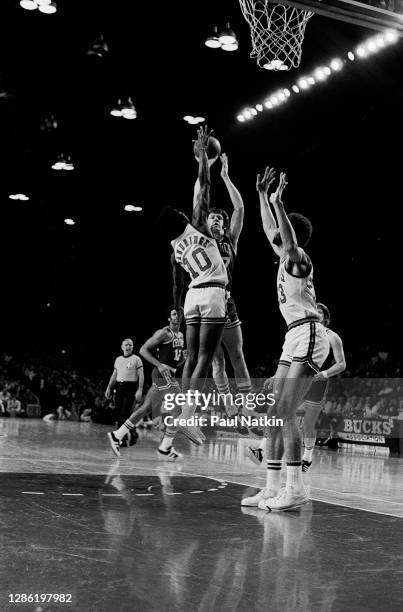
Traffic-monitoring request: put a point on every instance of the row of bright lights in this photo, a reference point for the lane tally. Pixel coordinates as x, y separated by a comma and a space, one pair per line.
371, 46
45, 6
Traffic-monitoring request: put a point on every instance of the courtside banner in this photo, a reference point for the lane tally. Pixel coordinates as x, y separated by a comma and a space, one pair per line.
343, 401
370, 431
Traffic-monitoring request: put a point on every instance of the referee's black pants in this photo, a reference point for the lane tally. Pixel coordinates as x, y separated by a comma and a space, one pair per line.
124, 400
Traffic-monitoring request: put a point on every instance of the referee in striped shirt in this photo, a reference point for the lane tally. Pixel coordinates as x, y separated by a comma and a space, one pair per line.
128, 376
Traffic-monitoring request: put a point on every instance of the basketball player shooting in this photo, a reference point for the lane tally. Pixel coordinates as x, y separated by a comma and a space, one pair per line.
227, 233
305, 348
205, 310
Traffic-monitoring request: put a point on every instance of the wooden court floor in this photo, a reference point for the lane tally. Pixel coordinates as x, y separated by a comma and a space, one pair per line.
138, 534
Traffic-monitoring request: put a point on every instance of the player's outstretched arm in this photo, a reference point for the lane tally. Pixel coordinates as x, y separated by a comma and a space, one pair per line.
200, 211
237, 202
178, 277
339, 366
150, 346
263, 184
288, 238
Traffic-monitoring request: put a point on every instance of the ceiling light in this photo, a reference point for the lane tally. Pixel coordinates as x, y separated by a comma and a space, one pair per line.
336, 64
268, 104
259, 107
391, 36
303, 83
230, 47
253, 111
227, 36
351, 56
29, 5
69, 221
99, 47
240, 118
287, 93
116, 111
128, 110
295, 88
320, 74
212, 40
48, 8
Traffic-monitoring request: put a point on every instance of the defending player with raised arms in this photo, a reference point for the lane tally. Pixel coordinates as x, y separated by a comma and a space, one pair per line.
305, 348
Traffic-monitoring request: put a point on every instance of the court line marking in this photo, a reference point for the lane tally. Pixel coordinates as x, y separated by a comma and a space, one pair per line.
228, 480
154, 469
32, 493
377, 499
73, 494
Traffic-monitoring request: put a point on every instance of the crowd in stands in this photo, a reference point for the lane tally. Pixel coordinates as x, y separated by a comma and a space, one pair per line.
371, 387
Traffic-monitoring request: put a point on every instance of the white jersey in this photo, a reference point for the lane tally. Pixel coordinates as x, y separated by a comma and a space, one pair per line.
296, 296
199, 256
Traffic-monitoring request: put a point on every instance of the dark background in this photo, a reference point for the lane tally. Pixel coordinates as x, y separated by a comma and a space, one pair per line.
108, 277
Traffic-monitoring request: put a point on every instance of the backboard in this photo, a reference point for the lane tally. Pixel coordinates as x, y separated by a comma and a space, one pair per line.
376, 14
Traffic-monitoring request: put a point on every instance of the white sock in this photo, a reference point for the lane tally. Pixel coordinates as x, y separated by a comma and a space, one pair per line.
294, 476
123, 430
309, 444
273, 474
166, 442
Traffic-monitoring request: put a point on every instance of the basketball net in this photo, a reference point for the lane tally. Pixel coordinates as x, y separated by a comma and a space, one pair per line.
277, 33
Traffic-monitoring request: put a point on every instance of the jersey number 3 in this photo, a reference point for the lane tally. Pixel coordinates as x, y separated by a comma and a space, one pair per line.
201, 260
282, 298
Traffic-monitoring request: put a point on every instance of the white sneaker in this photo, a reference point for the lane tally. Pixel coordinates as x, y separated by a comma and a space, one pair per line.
263, 495
287, 499
169, 455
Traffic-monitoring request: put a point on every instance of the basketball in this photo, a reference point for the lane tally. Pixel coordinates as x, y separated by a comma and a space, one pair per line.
213, 148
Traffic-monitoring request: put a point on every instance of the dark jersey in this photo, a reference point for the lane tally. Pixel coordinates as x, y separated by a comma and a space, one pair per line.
227, 253
170, 352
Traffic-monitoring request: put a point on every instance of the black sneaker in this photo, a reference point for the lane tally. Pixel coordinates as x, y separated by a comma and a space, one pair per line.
169, 455
115, 444
254, 454
134, 436
306, 465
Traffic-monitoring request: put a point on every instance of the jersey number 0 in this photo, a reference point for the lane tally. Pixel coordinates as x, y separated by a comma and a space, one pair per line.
201, 261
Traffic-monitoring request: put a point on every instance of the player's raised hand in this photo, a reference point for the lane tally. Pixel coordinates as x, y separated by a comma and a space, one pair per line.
276, 197
264, 183
224, 166
202, 138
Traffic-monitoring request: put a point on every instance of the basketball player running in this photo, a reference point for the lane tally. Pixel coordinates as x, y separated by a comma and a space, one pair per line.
128, 376
315, 398
227, 234
304, 351
164, 350
197, 253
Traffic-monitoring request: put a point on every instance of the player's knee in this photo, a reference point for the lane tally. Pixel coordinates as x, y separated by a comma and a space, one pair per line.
218, 366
